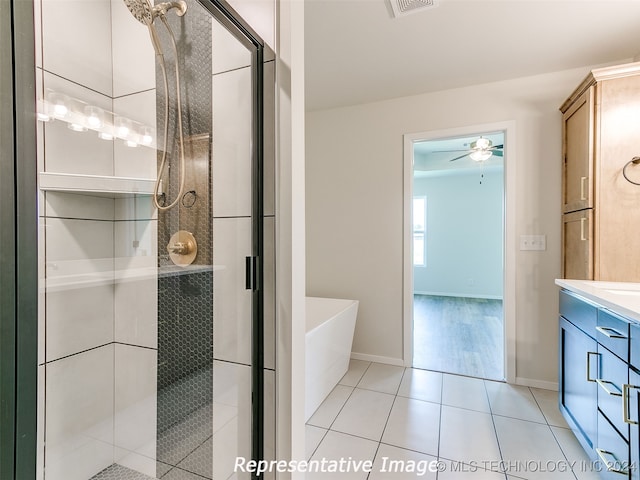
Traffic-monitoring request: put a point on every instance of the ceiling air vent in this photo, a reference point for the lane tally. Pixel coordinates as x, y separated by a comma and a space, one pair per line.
405, 7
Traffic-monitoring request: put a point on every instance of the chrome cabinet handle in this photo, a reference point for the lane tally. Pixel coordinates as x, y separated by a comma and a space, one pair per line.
610, 332
603, 384
583, 190
610, 465
625, 403
589, 379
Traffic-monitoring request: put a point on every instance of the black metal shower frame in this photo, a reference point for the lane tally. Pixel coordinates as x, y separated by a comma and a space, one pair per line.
19, 234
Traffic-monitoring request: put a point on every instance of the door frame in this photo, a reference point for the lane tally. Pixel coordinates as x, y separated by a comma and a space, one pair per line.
509, 236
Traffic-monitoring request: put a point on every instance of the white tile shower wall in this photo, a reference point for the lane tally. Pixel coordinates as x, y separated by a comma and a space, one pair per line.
79, 296
231, 300
231, 165
139, 161
133, 55
68, 151
136, 283
228, 53
232, 389
260, 14
79, 415
76, 38
135, 408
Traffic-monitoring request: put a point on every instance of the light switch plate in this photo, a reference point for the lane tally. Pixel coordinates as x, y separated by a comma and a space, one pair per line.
533, 242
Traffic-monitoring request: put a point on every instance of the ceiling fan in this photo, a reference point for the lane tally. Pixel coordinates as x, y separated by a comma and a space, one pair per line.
482, 149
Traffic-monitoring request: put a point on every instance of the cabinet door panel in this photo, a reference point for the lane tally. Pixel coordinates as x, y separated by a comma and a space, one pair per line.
578, 152
577, 237
578, 389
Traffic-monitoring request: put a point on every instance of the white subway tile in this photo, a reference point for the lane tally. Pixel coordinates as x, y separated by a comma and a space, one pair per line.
231, 300
140, 161
68, 151
133, 54
72, 205
136, 406
76, 37
232, 140
79, 415
228, 52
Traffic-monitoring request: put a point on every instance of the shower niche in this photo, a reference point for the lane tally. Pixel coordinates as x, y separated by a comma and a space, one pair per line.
147, 363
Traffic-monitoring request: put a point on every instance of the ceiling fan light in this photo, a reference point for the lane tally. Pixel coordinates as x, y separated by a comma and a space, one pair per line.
481, 144
480, 155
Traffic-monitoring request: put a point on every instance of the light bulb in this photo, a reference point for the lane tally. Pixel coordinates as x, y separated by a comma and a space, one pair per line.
95, 116
42, 112
480, 155
76, 127
147, 136
60, 103
123, 127
105, 136
482, 143
130, 143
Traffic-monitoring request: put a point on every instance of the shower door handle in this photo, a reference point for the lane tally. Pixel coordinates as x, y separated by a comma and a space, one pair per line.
251, 273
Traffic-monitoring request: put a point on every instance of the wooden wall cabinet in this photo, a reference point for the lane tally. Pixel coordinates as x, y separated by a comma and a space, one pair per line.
601, 134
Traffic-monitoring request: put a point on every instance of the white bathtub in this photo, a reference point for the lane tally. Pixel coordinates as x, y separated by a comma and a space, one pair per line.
330, 326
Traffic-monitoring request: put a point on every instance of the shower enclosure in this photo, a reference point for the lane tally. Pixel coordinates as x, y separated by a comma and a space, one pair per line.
156, 246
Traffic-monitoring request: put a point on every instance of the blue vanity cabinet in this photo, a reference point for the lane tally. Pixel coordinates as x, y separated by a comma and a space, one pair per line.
579, 369
631, 398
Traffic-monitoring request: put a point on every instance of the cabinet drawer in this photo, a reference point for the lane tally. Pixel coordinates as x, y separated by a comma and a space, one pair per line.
578, 311
612, 375
613, 333
613, 451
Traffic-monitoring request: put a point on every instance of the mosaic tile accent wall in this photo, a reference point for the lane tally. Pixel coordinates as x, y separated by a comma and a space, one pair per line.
185, 300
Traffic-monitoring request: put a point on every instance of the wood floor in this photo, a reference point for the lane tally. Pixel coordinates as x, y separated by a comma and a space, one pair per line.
459, 335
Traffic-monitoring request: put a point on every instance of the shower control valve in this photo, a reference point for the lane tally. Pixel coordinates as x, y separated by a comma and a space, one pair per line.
182, 248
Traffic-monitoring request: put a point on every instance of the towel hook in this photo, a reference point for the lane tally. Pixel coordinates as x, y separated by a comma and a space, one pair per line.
635, 161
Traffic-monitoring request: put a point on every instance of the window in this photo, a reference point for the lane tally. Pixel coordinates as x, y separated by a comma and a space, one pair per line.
419, 227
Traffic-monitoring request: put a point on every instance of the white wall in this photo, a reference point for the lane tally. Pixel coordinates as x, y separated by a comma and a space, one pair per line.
354, 206
464, 234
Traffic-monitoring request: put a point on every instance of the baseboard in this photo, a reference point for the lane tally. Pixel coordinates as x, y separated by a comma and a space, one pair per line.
460, 295
529, 382
398, 362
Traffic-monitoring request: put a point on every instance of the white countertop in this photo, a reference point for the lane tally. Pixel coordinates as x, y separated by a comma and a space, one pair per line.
620, 297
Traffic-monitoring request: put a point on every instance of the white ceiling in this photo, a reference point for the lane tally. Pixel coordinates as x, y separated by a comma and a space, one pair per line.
356, 52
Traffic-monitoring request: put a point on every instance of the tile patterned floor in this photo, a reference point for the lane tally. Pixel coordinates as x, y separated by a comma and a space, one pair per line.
473, 428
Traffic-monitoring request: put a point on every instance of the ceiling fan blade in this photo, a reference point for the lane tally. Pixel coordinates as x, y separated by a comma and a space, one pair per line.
495, 147
498, 153
449, 151
458, 158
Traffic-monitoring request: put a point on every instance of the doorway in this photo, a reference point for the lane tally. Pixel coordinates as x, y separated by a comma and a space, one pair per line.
458, 302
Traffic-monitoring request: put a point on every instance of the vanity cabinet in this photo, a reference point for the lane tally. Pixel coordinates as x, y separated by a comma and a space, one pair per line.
578, 369
600, 133
595, 382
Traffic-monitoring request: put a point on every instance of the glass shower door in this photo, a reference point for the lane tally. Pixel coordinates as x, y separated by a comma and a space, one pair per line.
151, 319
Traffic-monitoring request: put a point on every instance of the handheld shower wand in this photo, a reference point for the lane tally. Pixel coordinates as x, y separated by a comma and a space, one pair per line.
145, 13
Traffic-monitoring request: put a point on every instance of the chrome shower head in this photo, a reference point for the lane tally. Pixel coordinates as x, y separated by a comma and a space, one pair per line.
141, 10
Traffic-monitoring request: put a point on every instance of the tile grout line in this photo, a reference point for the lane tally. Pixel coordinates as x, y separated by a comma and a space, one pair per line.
495, 429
